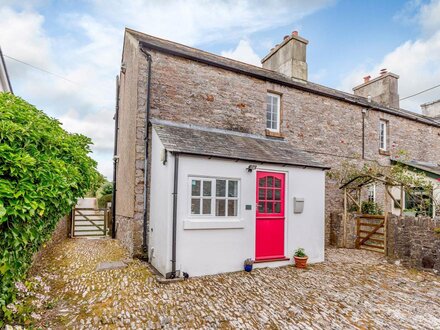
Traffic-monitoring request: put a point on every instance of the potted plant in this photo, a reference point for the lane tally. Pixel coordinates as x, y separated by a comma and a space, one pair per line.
248, 263
300, 257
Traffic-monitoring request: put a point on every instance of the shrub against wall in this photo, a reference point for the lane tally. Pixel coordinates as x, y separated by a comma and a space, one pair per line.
43, 170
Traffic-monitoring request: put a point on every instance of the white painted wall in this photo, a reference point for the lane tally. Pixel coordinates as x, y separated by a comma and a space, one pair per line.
160, 208
215, 245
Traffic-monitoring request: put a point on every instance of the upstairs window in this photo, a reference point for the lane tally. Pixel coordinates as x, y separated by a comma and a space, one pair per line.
383, 135
273, 112
214, 197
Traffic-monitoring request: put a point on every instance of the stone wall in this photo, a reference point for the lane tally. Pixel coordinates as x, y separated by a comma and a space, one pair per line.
195, 93
413, 241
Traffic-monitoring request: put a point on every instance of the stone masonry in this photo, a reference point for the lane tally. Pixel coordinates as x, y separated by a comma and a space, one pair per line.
187, 91
414, 241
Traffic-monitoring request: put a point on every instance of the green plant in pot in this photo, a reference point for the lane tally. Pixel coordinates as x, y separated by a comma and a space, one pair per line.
300, 257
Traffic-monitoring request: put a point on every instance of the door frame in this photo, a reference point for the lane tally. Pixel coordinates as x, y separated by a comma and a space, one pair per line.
286, 210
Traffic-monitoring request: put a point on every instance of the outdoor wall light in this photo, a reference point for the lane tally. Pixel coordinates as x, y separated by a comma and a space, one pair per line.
251, 168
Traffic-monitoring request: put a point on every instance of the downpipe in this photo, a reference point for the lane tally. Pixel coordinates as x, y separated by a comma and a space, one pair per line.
146, 137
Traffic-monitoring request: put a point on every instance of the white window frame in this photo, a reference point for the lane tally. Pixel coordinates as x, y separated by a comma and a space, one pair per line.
372, 188
383, 135
278, 98
213, 197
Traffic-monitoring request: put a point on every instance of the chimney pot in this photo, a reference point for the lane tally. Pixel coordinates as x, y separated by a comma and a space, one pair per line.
383, 71
295, 33
286, 37
367, 79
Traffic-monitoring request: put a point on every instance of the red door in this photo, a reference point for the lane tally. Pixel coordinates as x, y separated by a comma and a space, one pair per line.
270, 216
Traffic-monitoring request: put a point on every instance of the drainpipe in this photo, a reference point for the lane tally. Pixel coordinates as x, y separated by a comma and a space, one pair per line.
364, 112
146, 136
115, 159
173, 247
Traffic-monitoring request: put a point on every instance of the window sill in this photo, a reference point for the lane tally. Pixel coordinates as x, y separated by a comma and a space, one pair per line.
213, 224
274, 134
384, 152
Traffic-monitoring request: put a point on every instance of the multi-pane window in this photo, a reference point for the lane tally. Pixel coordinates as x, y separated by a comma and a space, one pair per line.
371, 193
273, 112
214, 197
269, 195
383, 134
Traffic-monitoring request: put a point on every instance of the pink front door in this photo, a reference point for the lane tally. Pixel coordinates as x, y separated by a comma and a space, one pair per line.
270, 216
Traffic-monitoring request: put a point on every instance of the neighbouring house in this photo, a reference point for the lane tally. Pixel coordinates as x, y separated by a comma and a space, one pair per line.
5, 83
226, 125
431, 171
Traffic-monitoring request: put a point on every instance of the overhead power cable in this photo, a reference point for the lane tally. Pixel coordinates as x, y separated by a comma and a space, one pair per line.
426, 90
40, 69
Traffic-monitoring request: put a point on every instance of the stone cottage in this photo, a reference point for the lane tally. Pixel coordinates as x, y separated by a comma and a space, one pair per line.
170, 95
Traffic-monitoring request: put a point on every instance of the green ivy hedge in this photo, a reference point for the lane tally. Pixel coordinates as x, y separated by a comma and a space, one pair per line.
43, 170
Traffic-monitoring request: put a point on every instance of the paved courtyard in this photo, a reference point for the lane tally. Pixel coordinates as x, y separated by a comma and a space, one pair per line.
353, 289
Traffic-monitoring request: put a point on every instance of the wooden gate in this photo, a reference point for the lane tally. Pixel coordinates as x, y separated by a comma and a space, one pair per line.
90, 222
371, 232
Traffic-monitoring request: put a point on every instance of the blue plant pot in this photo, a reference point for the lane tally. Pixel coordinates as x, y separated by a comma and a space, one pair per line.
248, 268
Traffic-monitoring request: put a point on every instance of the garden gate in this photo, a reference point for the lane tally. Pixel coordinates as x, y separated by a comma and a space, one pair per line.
371, 232
90, 222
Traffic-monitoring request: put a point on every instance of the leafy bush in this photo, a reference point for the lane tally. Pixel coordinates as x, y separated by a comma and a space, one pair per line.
103, 200
105, 189
370, 207
43, 170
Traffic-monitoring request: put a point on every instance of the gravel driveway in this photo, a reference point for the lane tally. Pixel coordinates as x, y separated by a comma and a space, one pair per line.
353, 289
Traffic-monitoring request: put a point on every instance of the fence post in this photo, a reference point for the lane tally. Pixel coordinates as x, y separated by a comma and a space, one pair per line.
358, 231
385, 236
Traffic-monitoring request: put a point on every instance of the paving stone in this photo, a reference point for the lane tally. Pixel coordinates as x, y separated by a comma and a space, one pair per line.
352, 289
110, 265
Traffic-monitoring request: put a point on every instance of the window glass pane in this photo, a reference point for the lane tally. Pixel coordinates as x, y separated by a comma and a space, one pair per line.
269, 194
277, 183
220, 188
277, 207
262, 182
195, 206
261, 194
195, 188
269, 207
232, 208
207, 188
220, 207
206, 206
277, 194
232, 188
261, 207
270, 181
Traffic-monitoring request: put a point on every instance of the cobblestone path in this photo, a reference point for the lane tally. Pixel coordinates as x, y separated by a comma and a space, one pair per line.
353, 289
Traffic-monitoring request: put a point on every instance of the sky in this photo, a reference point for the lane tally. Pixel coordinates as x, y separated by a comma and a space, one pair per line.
80, 44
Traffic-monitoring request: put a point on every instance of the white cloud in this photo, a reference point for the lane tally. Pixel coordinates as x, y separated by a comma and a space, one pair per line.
194, 22
416, 62
244, 53
85, 47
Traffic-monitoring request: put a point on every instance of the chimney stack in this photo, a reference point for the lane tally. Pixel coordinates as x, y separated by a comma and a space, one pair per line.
383, 89
289, 57
431, 109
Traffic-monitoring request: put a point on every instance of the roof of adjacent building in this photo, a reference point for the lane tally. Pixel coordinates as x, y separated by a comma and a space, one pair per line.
427, 167
5, 83
198, 55
211, 142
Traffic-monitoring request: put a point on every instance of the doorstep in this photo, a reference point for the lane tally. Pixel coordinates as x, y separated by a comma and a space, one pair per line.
270, 260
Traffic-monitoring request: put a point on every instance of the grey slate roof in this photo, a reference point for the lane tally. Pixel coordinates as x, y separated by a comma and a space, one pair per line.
203, 141
194, 54
424, 166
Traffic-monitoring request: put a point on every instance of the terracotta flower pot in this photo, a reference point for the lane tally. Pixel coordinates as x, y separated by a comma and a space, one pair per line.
301, 262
